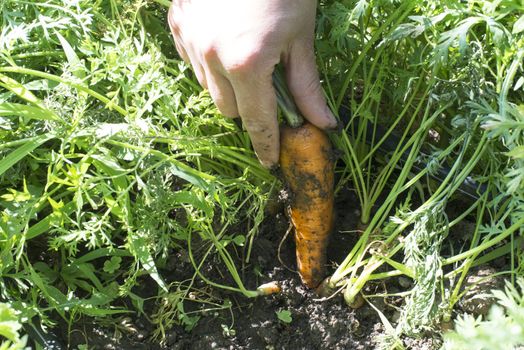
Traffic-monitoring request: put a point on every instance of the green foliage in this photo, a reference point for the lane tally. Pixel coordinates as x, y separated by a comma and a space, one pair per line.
284, 316
422, 248
112, 160
10, 329
9, 325
447, 78
503, 328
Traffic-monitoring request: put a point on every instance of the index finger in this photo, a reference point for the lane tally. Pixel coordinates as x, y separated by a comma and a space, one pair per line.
257, 106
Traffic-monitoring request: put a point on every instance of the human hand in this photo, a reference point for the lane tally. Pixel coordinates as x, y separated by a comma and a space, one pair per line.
234, 46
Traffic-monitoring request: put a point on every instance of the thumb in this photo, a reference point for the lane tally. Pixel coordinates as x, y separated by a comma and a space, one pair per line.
304, 84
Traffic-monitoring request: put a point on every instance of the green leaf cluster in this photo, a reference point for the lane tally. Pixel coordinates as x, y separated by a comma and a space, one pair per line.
112, 162
445, 77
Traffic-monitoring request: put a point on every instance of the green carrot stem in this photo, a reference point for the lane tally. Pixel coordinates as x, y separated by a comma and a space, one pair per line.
285, 101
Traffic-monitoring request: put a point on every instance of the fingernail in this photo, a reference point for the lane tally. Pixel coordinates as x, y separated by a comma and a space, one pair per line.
332, 119
336, 130
265, 162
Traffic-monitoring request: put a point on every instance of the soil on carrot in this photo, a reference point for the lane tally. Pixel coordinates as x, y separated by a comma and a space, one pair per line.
293, 319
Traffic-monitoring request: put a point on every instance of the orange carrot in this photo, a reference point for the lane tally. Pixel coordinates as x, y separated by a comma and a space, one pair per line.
306, 161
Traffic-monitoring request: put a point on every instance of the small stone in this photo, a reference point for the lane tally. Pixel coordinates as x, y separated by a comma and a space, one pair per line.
405, 282
477, 300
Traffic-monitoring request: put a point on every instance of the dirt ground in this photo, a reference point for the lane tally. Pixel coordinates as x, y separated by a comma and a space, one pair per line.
253, 323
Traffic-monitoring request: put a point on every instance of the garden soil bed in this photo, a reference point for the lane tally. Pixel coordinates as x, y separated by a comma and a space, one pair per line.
253, 323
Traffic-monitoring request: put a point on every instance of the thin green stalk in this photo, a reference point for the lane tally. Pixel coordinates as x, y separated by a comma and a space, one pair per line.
239, 158
342, 271
387, 274
169, 158
440, 157
376, 261
226, 258
165, 3
499, 252
356, 171
384, 176
109, 103
285, 101
37, 54
22, 151
508, 81
19, 142
488, 244
469, 261
397, 17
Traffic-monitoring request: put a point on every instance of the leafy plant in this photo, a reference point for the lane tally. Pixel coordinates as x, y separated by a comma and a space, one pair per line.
113, 160
10, 328
501, 330
444, 77
284, 316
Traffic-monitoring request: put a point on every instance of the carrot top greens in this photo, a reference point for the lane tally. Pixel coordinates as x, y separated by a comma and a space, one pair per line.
114, 162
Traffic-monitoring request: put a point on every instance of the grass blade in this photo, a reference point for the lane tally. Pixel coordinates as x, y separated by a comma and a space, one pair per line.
139, 248
22, 151
20, 90
72, 57
26, 111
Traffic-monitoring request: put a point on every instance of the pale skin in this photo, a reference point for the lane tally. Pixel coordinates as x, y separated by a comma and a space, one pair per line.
234, 46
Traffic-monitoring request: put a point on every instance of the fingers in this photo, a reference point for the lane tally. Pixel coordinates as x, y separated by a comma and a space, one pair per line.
304, 85
219, 87
181, 51
222, 93
199, 71
190, 56
257, 106
176, 36
186, 52
235, 87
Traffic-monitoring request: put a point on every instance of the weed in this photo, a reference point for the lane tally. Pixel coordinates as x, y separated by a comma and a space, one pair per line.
284, 316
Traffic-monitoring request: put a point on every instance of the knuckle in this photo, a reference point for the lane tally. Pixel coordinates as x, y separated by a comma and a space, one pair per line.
245, 61
225, 103
313, 85
209, 51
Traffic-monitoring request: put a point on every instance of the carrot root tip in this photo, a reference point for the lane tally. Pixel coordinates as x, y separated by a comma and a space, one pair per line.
269, 288
357, 302
325, 289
